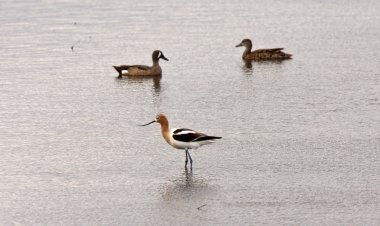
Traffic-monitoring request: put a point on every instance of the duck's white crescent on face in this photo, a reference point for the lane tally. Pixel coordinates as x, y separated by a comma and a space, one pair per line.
159, 54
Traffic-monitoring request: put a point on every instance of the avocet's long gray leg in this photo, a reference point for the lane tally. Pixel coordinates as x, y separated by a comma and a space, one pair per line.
191, 160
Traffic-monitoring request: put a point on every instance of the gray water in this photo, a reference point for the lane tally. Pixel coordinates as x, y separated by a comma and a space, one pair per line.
301, 138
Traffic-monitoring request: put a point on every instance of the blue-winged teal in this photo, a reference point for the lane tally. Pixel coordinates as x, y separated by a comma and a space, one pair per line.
262, 54
143, 70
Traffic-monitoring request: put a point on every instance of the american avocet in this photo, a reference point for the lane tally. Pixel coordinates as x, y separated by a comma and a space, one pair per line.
182, 138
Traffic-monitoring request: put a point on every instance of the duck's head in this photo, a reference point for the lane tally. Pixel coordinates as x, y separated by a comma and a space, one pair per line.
246, 42
157, 54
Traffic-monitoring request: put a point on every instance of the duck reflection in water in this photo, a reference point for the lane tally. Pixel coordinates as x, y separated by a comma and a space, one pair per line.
248, 67
140, 79
248, 64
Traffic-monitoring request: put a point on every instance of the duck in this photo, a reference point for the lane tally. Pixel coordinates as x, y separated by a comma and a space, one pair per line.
262, 54
143, 70
182, 138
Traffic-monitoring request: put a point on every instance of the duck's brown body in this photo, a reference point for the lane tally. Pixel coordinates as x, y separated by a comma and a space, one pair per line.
143, 70
262, 54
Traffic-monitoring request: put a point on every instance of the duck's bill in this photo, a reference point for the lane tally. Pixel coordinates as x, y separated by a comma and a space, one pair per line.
239, 45
148, 123
163, 57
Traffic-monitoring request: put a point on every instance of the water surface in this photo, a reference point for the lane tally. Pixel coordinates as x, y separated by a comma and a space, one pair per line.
301, 138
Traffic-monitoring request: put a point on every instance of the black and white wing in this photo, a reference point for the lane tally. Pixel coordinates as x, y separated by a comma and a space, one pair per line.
188, 135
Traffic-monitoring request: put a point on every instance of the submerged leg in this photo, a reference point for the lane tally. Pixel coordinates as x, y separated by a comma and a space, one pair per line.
186, 158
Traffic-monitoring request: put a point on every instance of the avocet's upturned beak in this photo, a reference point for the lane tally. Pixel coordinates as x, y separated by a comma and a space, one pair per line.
239, 45
148, 123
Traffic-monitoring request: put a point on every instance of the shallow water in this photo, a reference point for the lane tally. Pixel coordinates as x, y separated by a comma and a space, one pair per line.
301, 138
